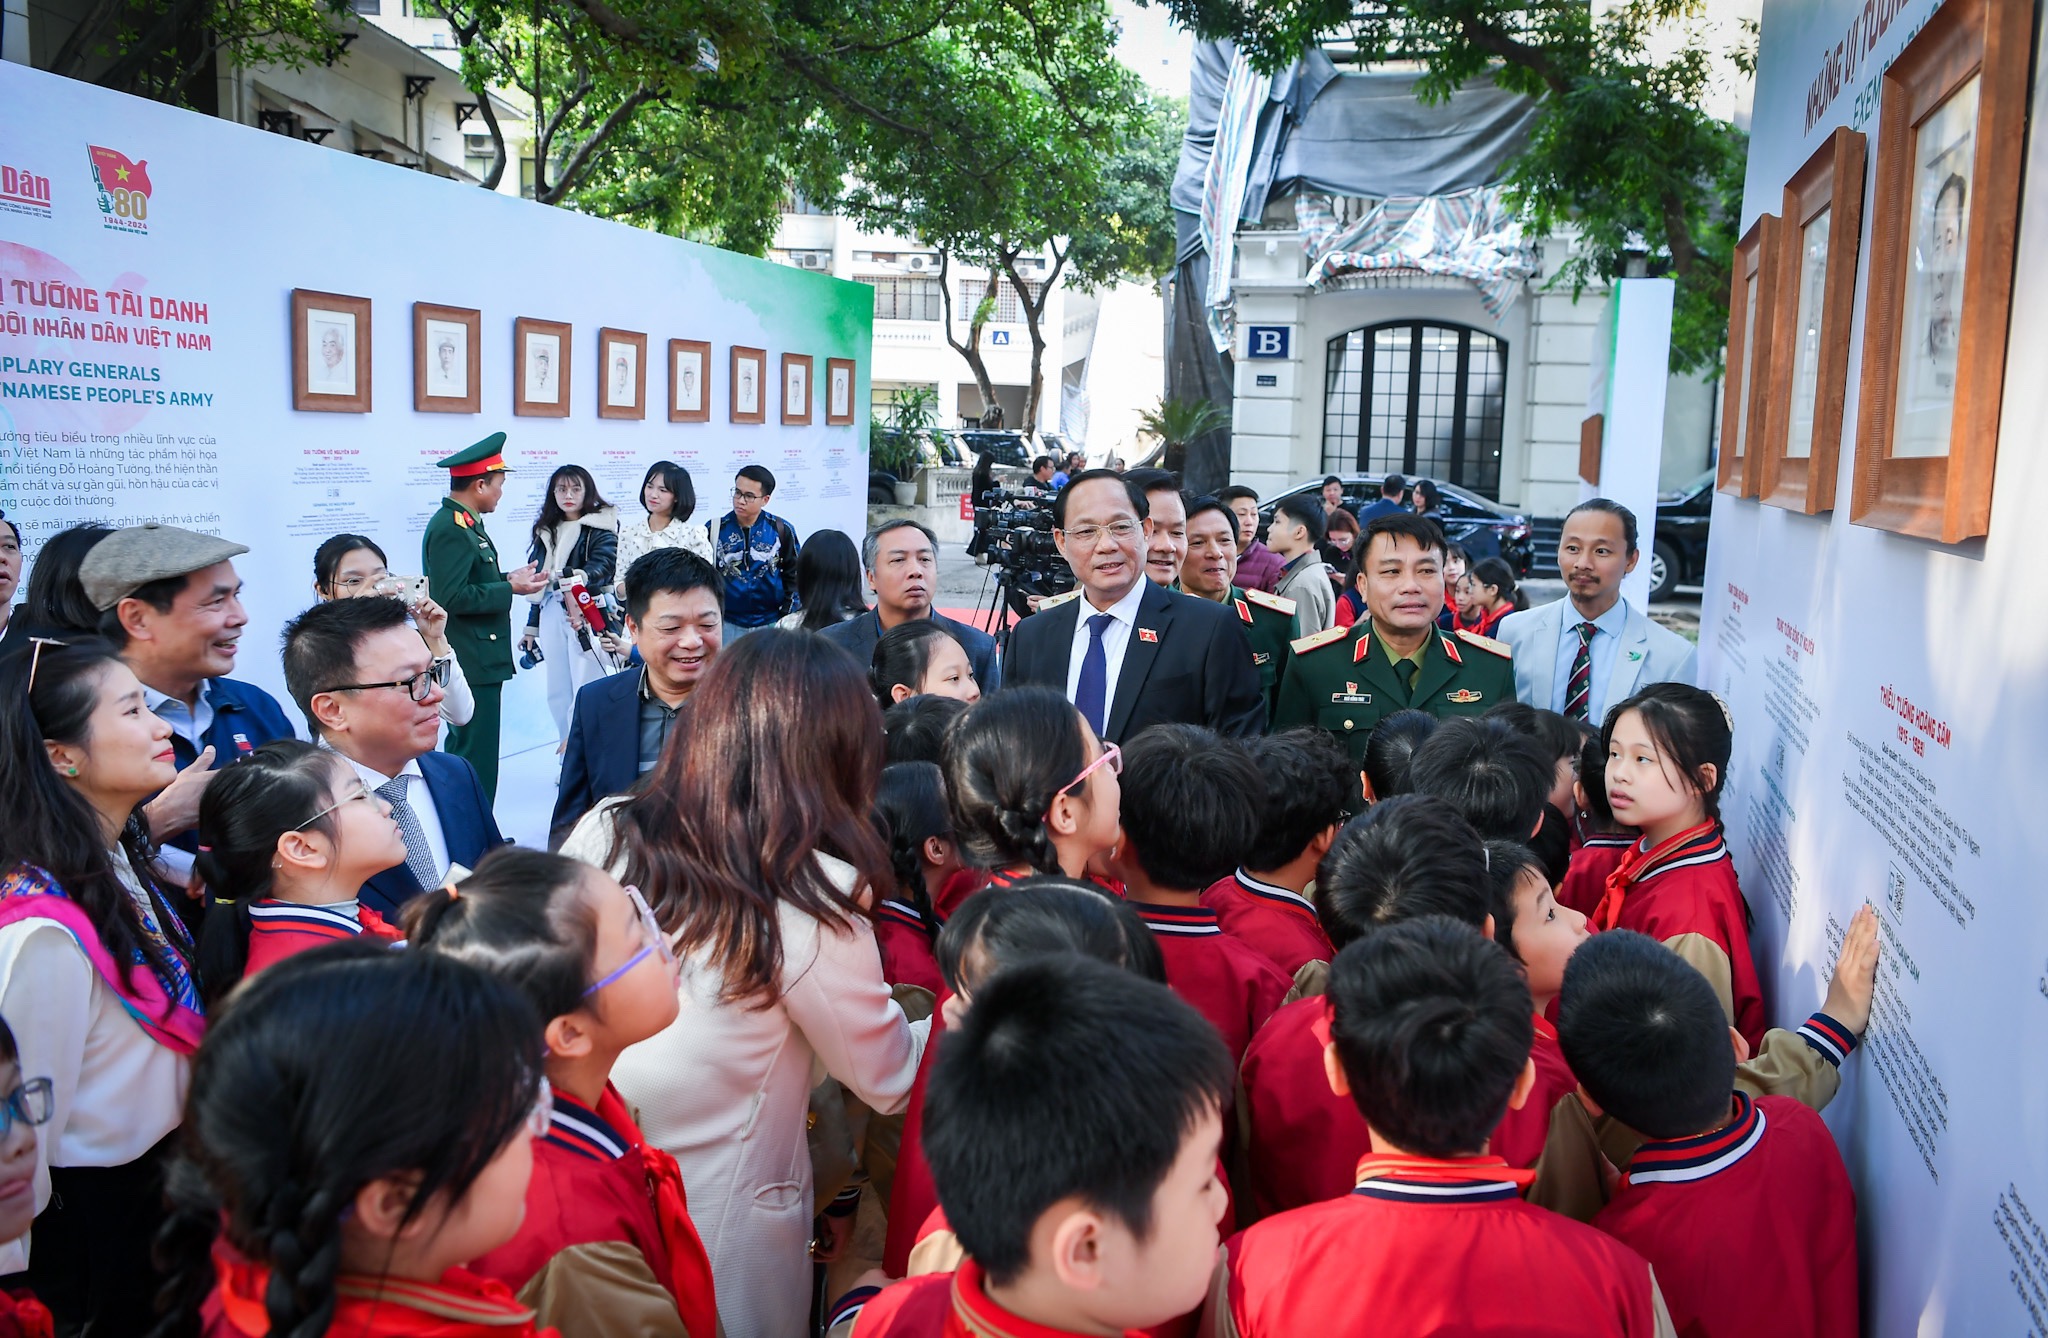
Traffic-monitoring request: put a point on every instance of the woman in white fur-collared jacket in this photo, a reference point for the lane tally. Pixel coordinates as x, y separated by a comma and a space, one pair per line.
575, 535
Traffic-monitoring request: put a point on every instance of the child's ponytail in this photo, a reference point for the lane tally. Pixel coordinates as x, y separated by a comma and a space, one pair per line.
910, 809
521, 917
1006, 760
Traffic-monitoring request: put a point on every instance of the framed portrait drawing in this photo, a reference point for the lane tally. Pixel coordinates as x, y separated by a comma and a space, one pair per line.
839, 392
796, 389
749, 388
1746, 386
622, 362
447, 359
689, 381
1944, 212
1797, 458
330, 352
540, 368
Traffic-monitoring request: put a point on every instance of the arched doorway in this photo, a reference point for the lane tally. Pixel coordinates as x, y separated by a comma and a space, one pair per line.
1417, 398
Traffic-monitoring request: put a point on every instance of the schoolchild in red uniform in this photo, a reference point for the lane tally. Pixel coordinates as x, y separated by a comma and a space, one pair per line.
910, 808
607, 1245
1542, 936
1388, 751
1305, 787
1430, 1034
1185, 825
1407, 856
1073, 1127
1742, 1205
1032, 789
360, 1125
1561, 740
1667, 757
1493, 774
992, 929
288, 835
1599, 843
23, 1106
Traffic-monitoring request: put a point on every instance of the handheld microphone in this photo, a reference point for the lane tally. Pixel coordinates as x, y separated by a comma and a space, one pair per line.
593, 615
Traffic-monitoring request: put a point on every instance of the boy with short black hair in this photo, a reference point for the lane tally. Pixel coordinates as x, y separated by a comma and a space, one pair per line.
1072, 1129
1741, 1204
1491, 772
1305, 786
1429, 1033
1185, 825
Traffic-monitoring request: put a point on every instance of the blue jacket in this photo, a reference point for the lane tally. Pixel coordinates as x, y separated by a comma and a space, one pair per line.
759, 567
467, 822
245, 717
603, 754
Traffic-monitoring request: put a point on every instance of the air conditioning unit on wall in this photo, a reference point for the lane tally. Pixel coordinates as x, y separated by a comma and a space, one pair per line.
921, 263
812, 259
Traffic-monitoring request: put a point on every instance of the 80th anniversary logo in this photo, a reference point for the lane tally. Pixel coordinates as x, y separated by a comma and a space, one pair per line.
124, 190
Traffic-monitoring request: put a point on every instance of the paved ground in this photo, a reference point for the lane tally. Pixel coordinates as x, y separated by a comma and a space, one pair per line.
965, 585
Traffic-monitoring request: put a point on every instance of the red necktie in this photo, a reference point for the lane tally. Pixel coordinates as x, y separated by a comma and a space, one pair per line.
1578, 691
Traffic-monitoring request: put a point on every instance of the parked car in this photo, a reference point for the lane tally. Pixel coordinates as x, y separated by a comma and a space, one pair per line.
1009, 448
1482, 528
1678, 553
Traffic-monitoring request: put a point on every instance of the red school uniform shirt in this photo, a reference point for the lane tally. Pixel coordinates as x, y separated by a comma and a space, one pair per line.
912, 1195
1275, 920
1228, 981
1751, 1228
597, 1186
1586, 881
280, 929
23, 1316
905, 939
1685, 895
947, 1305
1519, 1137
460, 1305
1426, 1246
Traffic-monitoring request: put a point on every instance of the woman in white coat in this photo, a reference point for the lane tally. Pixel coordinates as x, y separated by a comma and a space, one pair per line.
752, 842
575, 539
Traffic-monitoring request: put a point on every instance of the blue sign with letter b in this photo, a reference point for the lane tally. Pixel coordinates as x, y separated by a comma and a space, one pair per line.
1267, 341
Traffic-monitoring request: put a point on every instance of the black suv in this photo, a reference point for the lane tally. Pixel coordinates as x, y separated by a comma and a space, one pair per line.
1678, 554
1481, 527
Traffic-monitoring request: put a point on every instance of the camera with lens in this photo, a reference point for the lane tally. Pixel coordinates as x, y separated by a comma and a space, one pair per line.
1013, 529
530, 657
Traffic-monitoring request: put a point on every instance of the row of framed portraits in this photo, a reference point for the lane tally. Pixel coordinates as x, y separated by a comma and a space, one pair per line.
1944, 212
331, 351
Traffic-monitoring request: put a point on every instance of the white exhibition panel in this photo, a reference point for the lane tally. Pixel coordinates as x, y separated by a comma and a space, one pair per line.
155, 381
1891, 709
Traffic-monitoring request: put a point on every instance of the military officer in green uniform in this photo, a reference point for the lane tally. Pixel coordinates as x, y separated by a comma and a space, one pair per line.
461, 566
1347, 679
1208, 571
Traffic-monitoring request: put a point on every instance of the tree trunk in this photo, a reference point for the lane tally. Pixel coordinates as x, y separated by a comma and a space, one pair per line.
1034, 319
971, 350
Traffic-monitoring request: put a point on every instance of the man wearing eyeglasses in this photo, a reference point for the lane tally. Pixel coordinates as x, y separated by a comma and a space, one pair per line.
370, 688
756, 556
1128, 652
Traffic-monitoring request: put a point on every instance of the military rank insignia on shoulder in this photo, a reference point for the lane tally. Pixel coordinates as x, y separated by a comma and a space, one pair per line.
1054, 601
1500, 648
1277, 603
1317, 640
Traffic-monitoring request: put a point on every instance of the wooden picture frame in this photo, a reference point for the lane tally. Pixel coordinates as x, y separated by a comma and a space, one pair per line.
695, 356
447, 359
749, 385
1953, 103
330, 352
542, 358
621, 373
1799, 454
836, 416
1592, 435
1745, 389
798, 389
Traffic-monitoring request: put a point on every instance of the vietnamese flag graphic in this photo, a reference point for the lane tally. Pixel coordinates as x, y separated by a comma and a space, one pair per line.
117, 172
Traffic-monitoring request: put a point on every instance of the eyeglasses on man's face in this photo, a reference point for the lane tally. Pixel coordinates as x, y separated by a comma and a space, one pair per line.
419, 686
1087, 536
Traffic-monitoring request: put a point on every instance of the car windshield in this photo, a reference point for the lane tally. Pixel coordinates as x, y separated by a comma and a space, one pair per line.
1689, 490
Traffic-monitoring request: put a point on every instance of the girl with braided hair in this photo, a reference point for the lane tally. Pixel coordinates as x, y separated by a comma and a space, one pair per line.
96, 975
1033, 790
361, 1124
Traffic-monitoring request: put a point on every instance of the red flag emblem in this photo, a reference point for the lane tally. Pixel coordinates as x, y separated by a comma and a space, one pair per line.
117, 171
1147, 634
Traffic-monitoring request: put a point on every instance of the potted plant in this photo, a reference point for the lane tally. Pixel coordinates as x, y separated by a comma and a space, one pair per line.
1178, 422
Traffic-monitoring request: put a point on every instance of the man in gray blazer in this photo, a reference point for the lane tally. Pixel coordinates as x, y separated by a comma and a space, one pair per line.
1583, 655
902, 561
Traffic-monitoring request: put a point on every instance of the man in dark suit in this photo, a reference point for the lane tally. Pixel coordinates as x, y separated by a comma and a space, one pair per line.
902, 558
366, 682
1127, 652
675, 610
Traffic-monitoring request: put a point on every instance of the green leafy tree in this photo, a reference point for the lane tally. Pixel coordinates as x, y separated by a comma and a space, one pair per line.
1622, 151
167, 49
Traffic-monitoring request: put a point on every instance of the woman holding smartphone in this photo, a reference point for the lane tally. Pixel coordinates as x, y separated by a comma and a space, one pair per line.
348, 566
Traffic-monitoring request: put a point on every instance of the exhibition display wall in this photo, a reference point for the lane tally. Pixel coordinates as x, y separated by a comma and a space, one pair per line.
245, 334
1873, 626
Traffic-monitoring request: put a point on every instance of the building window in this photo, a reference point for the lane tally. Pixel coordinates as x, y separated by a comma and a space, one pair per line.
370, 7
795, 203
1417, 399
1008, 310
907, 299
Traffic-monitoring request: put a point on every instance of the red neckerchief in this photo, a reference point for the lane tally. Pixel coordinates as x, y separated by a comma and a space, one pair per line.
976, 1316
459, 1303
1436, 1180
1640, 864
689, 1267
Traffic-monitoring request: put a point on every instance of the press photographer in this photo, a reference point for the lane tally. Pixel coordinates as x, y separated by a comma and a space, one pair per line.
1013, 532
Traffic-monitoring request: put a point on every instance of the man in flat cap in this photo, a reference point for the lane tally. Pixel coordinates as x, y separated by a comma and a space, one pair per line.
461, 566
172, 603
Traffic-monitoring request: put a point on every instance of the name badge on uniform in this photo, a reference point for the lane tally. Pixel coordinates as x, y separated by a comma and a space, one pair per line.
1351, 699
1260, 657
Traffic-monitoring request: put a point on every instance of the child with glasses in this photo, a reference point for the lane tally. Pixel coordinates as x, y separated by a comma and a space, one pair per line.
287, 838
1033, 789
607, 1245
23, 1106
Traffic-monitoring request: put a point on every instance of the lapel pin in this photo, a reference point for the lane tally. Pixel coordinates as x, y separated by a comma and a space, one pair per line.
1147, 634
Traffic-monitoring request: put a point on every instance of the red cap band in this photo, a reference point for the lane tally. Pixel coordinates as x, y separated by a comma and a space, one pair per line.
470, 471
